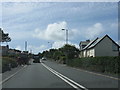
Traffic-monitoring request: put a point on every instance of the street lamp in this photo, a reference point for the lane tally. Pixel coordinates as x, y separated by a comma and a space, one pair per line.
66, 35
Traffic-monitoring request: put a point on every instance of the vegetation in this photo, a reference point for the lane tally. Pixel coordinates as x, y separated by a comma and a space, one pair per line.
4, 37
62, 54
12, 61
99, 64
8, 60
8, 63
69, 55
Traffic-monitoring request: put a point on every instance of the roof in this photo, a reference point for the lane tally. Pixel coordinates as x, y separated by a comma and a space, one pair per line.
93, 43
85, 42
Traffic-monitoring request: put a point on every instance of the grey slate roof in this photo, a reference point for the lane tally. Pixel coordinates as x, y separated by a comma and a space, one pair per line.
90, 44
96, 42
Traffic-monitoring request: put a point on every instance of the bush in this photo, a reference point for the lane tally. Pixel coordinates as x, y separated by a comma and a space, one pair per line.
99, 64
8, 63
62, 59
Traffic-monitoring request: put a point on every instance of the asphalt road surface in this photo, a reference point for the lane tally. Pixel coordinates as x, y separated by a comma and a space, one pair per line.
53, 75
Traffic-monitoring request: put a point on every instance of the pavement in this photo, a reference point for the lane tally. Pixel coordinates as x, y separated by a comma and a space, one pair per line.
53, 75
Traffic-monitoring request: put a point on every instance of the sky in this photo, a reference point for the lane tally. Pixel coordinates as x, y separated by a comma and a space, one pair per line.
41, 22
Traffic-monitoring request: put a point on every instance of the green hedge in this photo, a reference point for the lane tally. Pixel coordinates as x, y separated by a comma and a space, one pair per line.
100, 64
5, 63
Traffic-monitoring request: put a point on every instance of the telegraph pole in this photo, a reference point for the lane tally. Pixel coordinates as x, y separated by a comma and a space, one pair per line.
66, 36
25, 45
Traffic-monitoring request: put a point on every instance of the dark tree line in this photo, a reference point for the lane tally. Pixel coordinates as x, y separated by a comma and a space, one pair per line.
63, 54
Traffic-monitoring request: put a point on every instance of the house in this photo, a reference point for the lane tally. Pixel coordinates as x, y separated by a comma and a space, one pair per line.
104, 46
83, 44
4, 50
14, 51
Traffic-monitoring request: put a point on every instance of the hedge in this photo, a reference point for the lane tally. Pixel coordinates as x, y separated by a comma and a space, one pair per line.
8, 63
99, 64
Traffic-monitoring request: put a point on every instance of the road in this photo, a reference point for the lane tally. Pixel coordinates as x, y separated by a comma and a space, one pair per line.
53, 75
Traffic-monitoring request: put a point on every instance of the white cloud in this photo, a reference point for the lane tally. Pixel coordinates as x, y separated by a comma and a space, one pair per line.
18, 47
59, 44
74, 33
76, 45
94, 31
54, 32
36, 49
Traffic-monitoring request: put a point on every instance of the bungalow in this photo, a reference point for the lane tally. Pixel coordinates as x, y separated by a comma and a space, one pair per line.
104, 46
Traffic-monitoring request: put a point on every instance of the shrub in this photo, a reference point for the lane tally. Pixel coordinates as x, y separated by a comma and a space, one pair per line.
99, 64
8, 63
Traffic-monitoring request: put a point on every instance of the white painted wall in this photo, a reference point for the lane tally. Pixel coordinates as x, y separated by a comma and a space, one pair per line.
84, 53
88, 53
91, 53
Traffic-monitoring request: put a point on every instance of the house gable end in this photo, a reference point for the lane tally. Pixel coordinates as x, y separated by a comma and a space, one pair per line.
104, 38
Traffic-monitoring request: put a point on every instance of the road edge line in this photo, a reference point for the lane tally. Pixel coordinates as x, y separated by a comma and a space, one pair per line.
6, 79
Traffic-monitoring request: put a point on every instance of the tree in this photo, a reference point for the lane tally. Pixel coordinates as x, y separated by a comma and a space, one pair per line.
57, 54
40, 55
51, 52
70, 51
45, 53
4, 37
65, 53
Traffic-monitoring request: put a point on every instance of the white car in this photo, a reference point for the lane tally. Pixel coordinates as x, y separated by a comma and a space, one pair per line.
41, 61
43, 58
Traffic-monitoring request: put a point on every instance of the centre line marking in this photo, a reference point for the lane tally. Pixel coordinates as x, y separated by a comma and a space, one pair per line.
66, 79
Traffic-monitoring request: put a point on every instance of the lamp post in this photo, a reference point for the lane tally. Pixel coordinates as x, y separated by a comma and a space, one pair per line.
66, 35
66, 53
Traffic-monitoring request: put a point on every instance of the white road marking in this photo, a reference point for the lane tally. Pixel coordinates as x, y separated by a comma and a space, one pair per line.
11, 76
60, 77
66, 79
